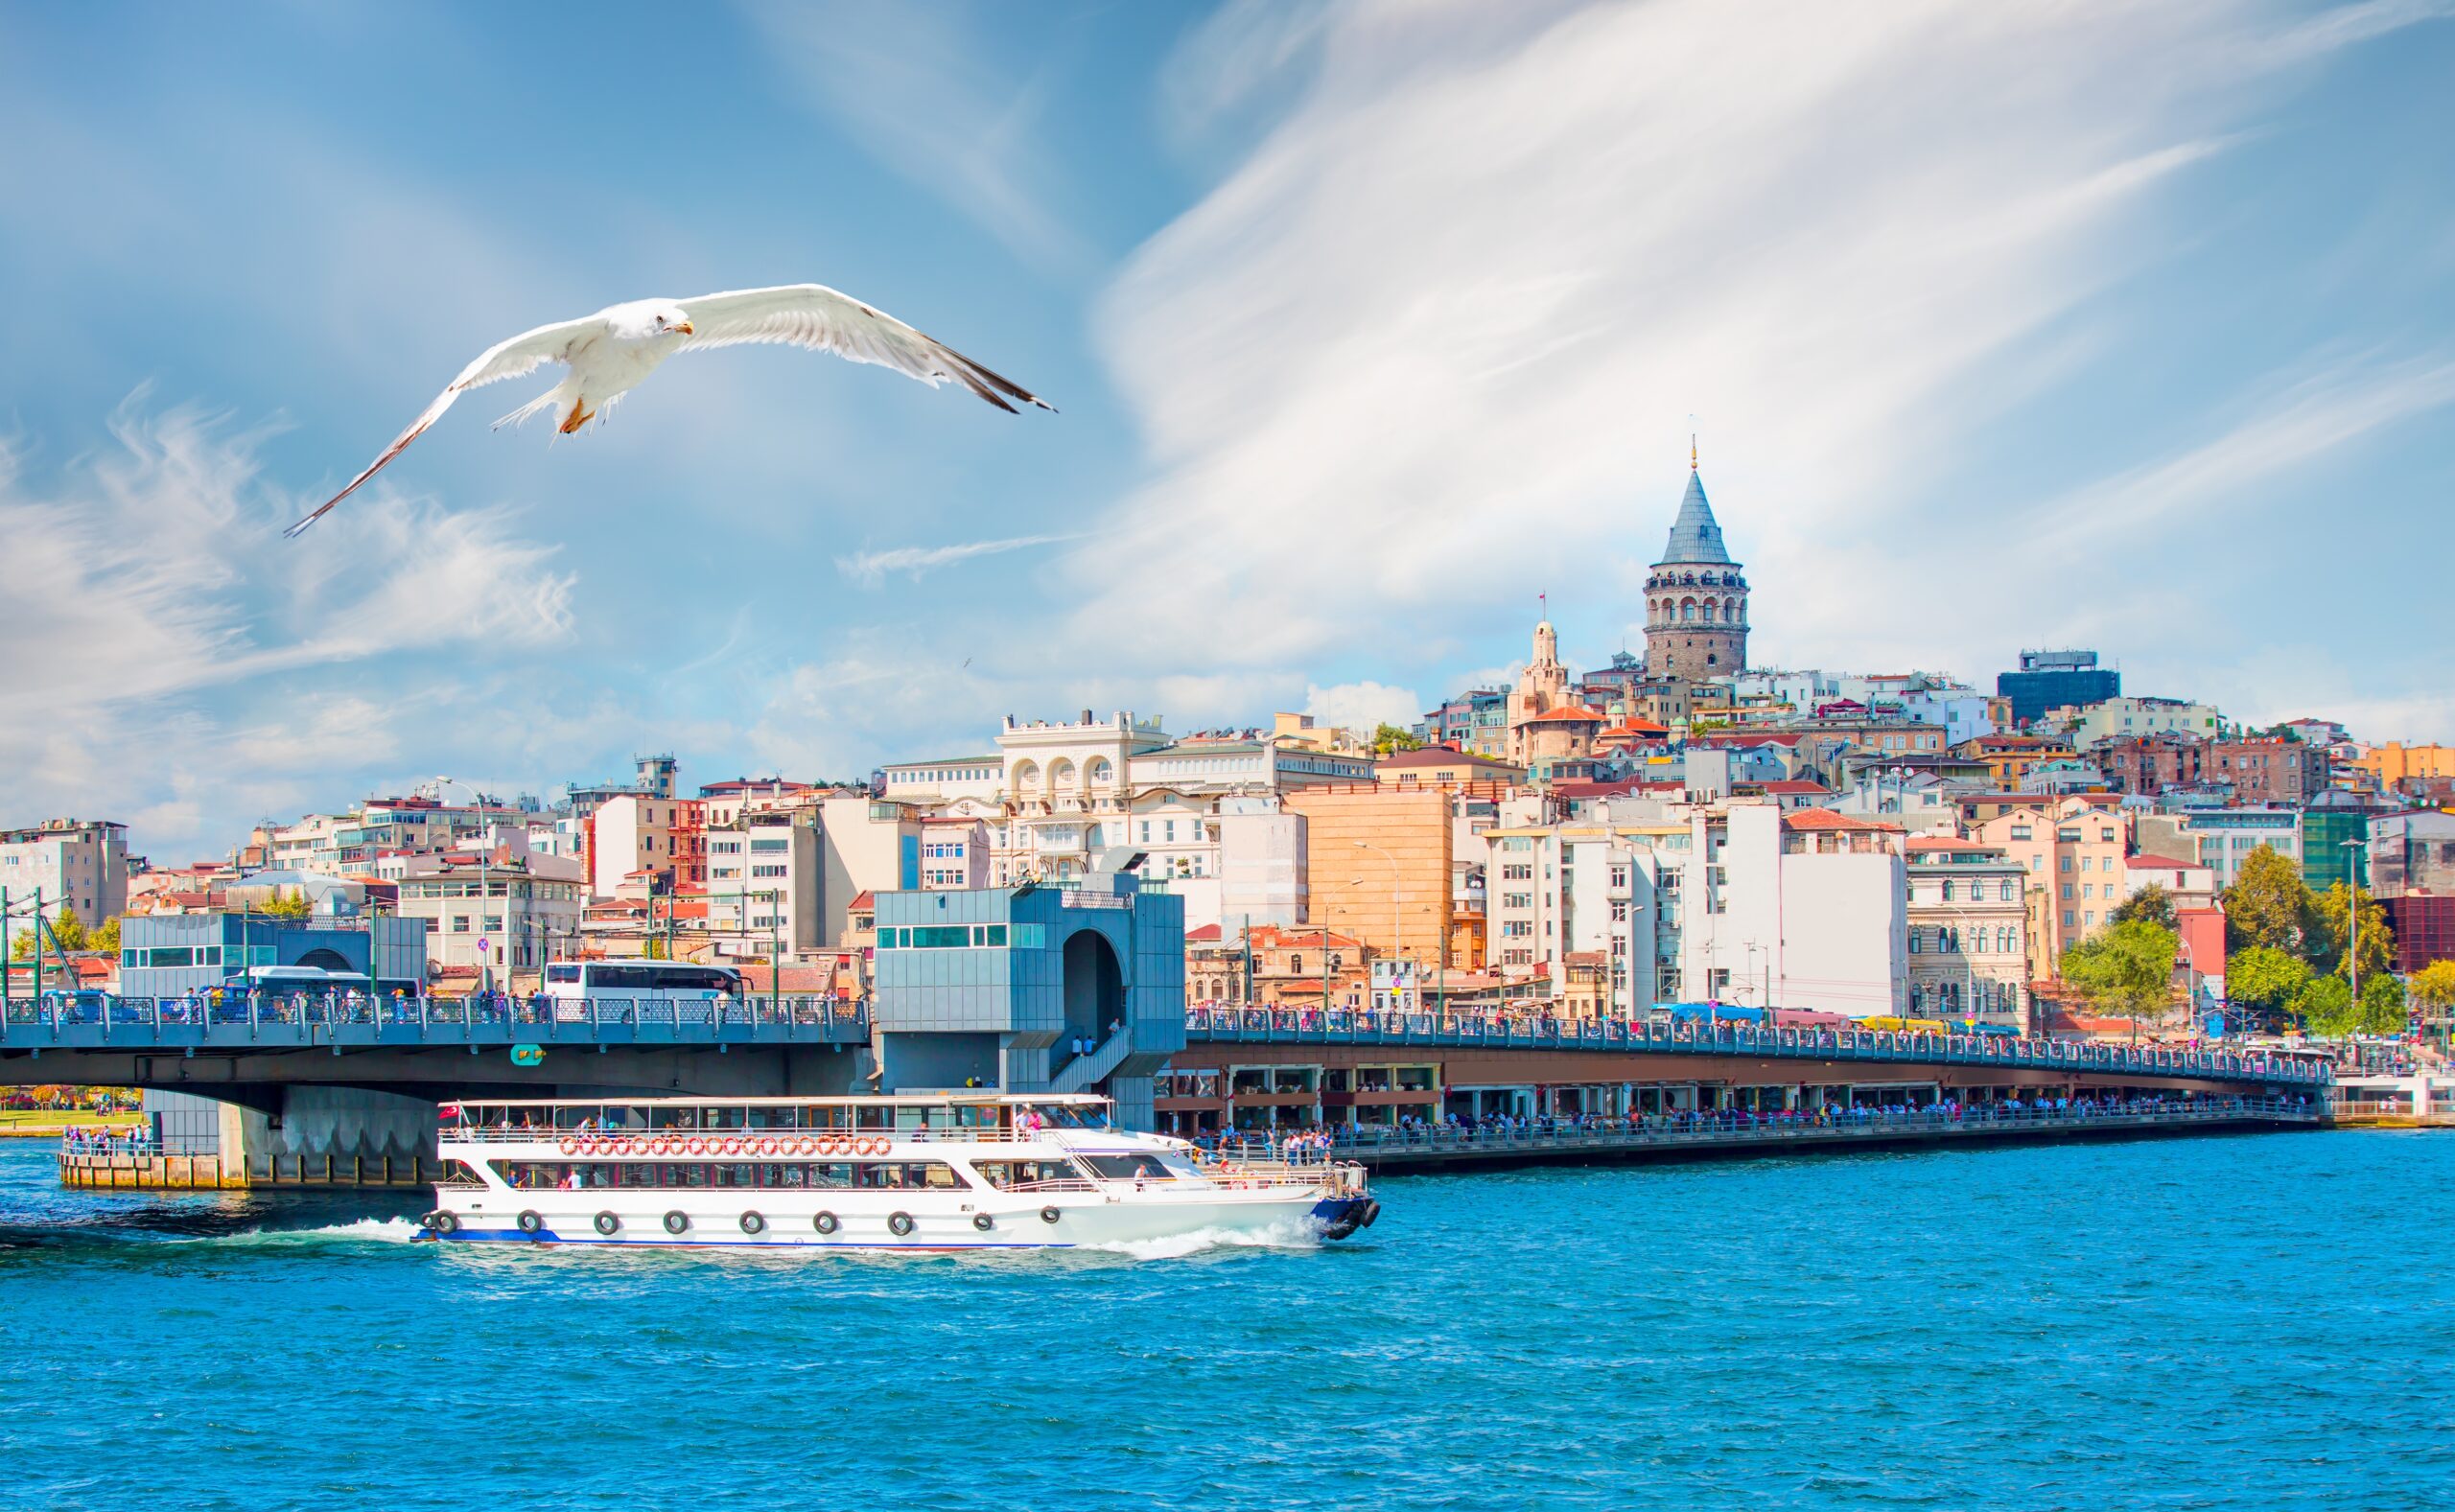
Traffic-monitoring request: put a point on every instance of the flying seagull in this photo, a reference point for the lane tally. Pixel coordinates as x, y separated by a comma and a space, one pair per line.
611, 351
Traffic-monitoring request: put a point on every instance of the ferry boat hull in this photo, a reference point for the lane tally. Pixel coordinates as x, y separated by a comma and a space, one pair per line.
914, 1174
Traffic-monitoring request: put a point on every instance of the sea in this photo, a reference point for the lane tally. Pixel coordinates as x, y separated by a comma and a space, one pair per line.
2256, 1321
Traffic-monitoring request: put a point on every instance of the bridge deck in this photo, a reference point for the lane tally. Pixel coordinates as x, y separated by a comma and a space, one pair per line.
1436, 1149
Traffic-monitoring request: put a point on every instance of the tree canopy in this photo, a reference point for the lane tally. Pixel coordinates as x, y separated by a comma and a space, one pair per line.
286, 905
2151, 904
2433, 986
2127, 970
1390, 741
2269, 904
2332, 916
2265, 980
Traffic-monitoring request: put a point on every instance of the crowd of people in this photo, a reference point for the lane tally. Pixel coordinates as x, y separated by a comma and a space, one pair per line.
1317, 1142
106, 1140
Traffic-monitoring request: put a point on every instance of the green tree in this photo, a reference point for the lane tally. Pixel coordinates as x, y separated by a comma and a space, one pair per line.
2326, 1006
70, 931
1390, 741
2269, 904
286, 905
2433, 987
104, 939
2382, 1009
2128, 970
2152, 903
2329, 940
2265, 980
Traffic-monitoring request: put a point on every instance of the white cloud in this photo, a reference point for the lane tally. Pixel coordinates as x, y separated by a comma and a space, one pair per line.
1430, 347
909, 84
153, 572
873, 567
1363, 705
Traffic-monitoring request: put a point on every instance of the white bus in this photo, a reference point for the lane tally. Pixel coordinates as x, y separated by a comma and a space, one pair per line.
640, 981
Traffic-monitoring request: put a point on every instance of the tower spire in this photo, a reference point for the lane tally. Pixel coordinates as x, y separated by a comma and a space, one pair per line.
1691, 451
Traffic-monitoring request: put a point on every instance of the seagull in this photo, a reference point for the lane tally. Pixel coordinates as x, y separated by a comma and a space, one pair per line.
611, 352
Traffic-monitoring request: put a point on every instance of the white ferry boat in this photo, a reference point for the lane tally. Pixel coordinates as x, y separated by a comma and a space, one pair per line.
939, 1173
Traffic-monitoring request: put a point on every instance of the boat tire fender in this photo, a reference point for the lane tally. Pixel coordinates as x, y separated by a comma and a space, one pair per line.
753, 1223
607, 1223
983, 1221
824, 1224
899, 1225
1371, 1213
443, 1221
1049, 1214
676, 1221
530, 1222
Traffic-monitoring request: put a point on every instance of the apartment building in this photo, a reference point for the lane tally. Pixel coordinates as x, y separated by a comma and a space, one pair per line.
78, 864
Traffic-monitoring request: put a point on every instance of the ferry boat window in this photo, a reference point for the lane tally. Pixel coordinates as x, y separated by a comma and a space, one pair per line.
1008, 1175
1131, 1168
460, 1174
872, 1116
769, 1116
909, 1175
825, 1118
673, 1118
734, 1117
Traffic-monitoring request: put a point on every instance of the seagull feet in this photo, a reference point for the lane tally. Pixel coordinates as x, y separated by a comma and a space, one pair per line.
579, 417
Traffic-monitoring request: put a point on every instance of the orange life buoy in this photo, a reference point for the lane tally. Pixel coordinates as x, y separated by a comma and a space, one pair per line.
732, 1147
878, 1147
570, 1147
695, 1147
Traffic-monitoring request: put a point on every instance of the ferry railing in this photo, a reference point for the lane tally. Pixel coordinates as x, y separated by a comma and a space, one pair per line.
546, 1137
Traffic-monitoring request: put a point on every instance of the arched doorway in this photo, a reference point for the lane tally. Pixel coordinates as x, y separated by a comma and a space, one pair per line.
1094, 987
328, 960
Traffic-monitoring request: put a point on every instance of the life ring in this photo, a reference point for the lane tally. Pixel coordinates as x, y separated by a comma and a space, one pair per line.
824, 1222
983, 1221
570, 1147
530, 1222
443, 1222
1049, 1214
607, 1223
766, 1148
899, 1225
676, 1221
695, 1147
753, 1223
874, 1147
730, 1147
661, 1147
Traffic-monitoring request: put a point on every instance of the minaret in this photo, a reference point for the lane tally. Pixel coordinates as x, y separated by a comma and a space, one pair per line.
1696, 596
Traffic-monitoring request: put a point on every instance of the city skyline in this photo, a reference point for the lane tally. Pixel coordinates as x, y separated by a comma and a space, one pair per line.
1296, 467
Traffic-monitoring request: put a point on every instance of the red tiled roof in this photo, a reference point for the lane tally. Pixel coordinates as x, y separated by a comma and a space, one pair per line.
1636, 729
1569, 713
2158, 864
1207, 935
863, 900
1825, 819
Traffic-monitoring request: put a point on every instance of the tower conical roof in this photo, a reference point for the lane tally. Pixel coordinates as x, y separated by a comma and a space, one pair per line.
1695, 536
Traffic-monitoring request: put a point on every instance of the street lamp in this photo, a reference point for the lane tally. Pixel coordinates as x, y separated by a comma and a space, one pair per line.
1397, 902
485, 885
2353, 910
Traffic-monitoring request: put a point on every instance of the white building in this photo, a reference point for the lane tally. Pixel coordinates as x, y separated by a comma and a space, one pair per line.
74, 864
2118, 717
635, 832
510, 911
765, 884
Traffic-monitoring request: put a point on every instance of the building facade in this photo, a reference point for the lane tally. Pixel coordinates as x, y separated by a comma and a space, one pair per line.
75, 863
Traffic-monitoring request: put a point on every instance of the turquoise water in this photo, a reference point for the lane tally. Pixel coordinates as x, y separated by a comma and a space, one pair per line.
2255, 1321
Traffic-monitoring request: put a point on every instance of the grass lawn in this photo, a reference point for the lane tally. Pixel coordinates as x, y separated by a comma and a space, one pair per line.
17, 1119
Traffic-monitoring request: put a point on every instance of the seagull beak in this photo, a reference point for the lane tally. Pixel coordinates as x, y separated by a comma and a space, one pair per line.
685, 329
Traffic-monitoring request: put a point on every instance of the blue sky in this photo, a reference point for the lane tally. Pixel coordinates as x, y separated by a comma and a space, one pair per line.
2121, 325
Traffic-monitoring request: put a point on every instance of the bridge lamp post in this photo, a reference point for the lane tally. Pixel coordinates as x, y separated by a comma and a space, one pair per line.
1397, 903
485, 866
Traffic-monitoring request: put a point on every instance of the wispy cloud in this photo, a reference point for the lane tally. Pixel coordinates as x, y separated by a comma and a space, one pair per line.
912, 87
873, 567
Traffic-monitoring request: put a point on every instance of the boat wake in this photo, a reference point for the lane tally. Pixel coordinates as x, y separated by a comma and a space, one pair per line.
364, 1230
1298, 1234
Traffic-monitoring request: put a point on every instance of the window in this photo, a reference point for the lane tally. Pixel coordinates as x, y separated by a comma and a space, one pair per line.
2067, 918
2066, 892
2089, 917
1917, 942
2067, 863
2010, 891
1948, 889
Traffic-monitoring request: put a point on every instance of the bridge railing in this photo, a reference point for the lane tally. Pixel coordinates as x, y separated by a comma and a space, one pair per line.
91, 1018
1368, 1026
1564, 1135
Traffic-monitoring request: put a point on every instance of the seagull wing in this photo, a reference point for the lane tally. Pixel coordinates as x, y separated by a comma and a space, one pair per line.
523, 352
823, 319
